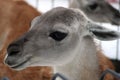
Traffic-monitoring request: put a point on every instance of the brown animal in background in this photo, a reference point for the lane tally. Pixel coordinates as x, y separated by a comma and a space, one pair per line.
15, 18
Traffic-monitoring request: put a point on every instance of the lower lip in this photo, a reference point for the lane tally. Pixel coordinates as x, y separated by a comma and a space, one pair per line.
19, 65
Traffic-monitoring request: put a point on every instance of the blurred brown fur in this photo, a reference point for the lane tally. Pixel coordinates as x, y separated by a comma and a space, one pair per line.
15, 19
105, 63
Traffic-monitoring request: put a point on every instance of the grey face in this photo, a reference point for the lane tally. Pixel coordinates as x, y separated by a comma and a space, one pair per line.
98, 10
50, 41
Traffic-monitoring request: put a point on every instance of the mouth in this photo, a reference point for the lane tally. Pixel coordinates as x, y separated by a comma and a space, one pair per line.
20, 66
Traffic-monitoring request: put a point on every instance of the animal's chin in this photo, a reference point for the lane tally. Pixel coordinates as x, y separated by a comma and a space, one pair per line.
20, 66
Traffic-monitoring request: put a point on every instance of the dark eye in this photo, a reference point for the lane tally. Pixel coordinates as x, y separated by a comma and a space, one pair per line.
58, 36
93, 6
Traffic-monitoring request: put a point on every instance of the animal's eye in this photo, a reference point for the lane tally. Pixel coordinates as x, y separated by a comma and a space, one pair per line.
93, 6
58, 36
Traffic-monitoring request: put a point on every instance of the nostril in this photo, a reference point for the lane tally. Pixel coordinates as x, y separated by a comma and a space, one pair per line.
13, 52
26, 40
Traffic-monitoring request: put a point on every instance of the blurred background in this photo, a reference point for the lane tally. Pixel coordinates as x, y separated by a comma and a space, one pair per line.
110, 48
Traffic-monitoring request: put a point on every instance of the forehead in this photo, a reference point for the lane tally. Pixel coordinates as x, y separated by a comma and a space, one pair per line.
60, 15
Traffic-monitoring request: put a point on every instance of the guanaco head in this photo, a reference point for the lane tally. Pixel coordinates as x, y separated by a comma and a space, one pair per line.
98, 10
54, 39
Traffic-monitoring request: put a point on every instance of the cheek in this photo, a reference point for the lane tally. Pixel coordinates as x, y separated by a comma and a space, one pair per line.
52, 57
28, 48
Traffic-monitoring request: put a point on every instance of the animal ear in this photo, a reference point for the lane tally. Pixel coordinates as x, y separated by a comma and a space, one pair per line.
102, 33
34, 21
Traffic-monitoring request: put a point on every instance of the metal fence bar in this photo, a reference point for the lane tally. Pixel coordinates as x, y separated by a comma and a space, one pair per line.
117, 47
53, 3
109, 71
119, 30
69, 1
37, 4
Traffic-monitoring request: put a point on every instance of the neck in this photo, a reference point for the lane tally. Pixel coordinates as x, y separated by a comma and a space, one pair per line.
85, 64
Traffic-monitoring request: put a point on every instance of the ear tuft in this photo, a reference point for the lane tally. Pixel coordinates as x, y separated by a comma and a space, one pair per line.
34, 21
106, 35
102, 33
